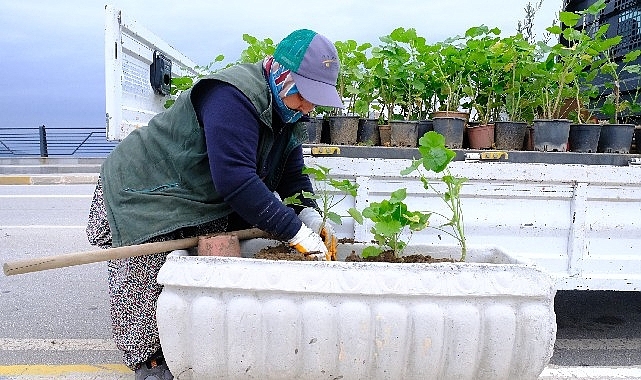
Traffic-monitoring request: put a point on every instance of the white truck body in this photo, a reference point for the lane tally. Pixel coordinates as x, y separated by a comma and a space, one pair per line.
578, 216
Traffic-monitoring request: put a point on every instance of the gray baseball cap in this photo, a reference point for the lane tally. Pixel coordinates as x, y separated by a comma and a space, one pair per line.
313, 62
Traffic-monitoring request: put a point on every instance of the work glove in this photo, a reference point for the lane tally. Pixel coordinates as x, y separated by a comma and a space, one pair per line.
309, 243
312, 218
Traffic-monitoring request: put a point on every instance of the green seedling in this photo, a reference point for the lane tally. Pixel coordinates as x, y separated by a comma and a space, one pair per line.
391, 219
325, 192
435, 157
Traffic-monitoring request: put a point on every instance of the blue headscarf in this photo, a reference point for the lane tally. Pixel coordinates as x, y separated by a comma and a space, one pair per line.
282, 85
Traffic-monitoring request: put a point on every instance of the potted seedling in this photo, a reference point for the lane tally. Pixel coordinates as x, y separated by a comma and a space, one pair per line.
435, 157
387, 67
557, 75
620, 97
411, 85
450, 64
510, 132
486, 82
352, 87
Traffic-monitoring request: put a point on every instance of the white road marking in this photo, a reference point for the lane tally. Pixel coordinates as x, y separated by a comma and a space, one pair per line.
46, 196
9, 344
597, 344
552, 372
47, 226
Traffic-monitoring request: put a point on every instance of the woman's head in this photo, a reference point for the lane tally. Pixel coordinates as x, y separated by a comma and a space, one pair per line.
313, 62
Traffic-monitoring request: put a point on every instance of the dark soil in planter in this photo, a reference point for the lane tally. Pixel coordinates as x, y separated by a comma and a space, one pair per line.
390, 257
284, 252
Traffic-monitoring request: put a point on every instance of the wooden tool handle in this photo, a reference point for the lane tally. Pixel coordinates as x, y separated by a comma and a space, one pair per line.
87, 257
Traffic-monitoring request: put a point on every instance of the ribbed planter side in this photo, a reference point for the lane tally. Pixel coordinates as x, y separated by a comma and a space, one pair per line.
239, 318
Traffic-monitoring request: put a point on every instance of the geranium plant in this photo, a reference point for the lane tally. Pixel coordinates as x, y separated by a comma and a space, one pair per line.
392, 219
615, 104
488, 78
353, 82
566, 67
435, 157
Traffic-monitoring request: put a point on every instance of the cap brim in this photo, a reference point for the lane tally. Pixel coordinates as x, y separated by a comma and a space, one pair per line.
318, 93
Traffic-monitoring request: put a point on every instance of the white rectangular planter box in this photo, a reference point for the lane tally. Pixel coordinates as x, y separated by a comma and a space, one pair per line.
240, 318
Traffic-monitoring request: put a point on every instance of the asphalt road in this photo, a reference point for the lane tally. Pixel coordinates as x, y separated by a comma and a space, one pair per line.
61, 316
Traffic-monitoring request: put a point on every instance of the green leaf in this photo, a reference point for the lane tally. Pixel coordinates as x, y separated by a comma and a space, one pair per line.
334, 217
371, 251
398, 195
388, 228
310, 195
632, 56
319, 173
293, 200
354, 213
596, 7
415, 164
569, 19
435, 156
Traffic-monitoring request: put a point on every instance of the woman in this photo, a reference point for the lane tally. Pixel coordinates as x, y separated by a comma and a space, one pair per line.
211, 163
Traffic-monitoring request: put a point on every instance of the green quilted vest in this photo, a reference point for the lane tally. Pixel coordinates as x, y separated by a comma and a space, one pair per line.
157, 180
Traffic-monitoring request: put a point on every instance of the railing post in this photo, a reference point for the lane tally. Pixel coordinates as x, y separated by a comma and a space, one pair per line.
43, 141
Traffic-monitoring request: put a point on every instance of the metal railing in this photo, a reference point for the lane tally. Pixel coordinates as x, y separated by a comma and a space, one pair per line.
50, 141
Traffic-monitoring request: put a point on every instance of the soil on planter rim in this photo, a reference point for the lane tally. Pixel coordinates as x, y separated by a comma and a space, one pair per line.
284, 252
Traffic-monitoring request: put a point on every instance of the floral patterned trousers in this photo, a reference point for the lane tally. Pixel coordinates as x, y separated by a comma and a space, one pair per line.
133, 289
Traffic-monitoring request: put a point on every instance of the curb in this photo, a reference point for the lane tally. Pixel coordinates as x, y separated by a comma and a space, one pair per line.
553, 372
66, 372
49, 179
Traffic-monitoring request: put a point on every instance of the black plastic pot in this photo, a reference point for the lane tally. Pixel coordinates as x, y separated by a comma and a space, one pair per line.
551, 135
343, 130
584, 138
314, 130
404, 133
424, 126
452, 128
368, 132
509, 135
615, 138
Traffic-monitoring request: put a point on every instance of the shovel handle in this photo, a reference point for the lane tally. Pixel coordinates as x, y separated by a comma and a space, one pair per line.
87, 257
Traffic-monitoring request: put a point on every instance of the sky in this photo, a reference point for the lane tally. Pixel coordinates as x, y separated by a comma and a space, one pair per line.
52, 52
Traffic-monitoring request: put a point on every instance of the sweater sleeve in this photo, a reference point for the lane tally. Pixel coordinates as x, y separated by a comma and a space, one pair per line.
232, 127
294, 181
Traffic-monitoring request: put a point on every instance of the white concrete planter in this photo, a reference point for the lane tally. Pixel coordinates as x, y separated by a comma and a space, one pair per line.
239, 318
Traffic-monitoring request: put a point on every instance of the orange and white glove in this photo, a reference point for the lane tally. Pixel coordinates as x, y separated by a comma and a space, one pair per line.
312, 218
309, 243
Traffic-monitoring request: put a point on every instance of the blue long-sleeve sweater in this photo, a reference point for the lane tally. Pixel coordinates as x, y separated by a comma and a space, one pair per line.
231, 128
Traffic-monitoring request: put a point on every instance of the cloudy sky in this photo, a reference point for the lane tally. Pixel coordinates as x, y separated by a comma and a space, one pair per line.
52, 52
